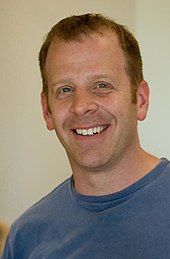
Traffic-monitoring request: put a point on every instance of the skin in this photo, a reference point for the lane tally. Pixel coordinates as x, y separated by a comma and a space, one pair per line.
88, 87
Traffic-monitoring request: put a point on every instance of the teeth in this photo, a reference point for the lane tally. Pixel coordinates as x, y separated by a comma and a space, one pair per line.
79, 131
90, 131
94, 130
85, 132
98, 129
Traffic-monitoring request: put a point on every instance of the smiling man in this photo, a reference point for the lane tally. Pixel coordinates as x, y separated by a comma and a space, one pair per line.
117, 202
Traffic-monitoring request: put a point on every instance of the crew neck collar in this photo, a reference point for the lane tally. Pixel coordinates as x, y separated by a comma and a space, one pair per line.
99, 203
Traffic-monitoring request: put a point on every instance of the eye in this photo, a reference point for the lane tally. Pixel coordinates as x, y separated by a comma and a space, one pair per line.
103, 87
64, 92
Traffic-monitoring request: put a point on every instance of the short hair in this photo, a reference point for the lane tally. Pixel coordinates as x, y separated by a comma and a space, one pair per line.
74, 27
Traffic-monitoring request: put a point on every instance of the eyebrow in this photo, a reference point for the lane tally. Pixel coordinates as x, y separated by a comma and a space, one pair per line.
62, 81
69, 79
100, 76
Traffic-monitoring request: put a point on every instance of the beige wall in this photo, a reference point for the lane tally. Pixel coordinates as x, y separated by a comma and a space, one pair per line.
32, 162
152, 26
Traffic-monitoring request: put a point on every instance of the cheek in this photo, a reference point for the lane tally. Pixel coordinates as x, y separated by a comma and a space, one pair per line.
60, 115
124, 112
112, 106
107, 104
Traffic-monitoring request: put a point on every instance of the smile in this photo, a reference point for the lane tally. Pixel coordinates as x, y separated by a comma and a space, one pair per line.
91, 131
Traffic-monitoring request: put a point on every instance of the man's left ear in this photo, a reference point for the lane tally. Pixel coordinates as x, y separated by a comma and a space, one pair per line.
142, 100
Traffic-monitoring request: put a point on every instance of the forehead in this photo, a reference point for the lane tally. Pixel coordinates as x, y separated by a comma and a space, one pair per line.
99, 46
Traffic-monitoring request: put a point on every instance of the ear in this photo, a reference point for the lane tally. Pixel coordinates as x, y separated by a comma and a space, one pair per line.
142, 100
46, 112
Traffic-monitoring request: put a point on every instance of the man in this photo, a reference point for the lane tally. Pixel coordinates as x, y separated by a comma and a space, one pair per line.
117, 203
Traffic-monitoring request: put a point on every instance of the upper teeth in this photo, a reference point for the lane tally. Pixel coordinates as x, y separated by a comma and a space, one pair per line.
90, 131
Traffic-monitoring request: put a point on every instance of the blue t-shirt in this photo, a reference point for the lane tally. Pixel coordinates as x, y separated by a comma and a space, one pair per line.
131, 224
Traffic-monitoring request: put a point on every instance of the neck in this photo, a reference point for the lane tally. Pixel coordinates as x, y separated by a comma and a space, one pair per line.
121, 175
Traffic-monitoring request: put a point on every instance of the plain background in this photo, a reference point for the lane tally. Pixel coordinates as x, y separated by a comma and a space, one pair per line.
32, 161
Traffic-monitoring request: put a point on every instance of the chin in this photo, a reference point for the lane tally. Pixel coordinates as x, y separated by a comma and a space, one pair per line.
91, 164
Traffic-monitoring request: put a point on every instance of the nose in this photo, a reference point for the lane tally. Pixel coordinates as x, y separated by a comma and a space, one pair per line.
83, 104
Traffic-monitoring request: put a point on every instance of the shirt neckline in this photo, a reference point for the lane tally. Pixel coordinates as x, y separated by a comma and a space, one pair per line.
99, 203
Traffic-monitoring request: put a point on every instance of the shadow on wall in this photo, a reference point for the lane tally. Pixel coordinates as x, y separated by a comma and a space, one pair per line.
4, 229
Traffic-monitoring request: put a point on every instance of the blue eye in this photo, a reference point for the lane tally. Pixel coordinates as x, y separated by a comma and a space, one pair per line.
65, 90
103, 88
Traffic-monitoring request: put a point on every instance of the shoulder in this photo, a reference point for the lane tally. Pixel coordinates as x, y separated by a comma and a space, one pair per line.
44, 207
164, 176
37, 219
164, 169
